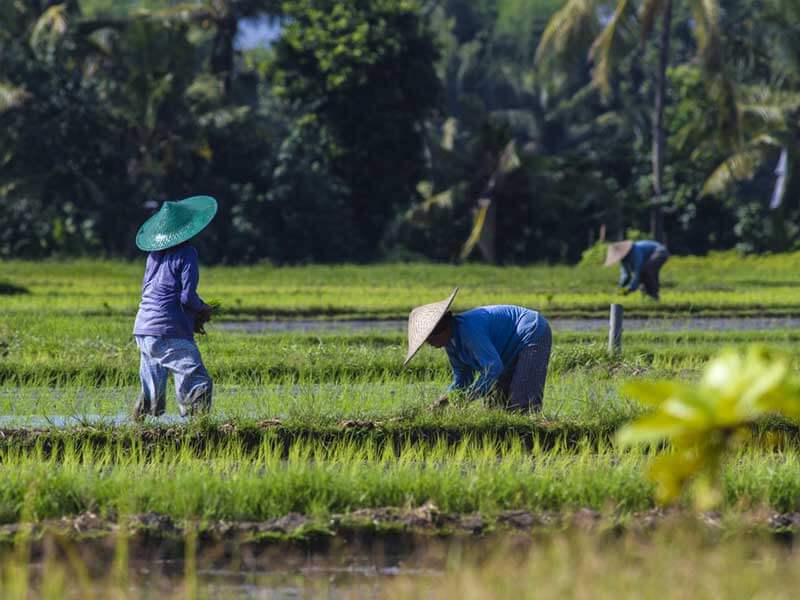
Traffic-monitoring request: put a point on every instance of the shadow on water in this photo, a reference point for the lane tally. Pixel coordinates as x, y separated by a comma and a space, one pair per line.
366, 577
346, 569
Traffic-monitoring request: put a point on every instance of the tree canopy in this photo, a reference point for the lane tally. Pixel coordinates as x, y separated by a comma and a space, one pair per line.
395, 129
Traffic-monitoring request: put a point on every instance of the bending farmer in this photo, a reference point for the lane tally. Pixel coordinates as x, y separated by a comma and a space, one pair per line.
171, 311
506, 347
640, 263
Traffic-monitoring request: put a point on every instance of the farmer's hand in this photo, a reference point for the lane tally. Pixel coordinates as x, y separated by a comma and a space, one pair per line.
439, 404
202, 317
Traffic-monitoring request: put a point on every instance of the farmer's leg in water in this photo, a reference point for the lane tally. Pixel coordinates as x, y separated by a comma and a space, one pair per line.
193, 386
530, 374
153, 377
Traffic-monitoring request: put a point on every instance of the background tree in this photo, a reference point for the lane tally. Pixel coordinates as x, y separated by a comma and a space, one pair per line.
365, 71
370, 129
569, 25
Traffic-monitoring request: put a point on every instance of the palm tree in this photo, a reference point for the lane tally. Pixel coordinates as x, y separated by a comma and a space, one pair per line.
581, 19
771, 121
770, 113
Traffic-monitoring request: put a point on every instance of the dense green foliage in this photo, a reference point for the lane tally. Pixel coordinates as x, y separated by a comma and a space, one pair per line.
369, 129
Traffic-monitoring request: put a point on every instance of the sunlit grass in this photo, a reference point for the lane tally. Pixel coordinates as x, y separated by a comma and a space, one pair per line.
723, 284
229, 481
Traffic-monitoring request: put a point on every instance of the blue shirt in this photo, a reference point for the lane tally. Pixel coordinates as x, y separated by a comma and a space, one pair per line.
486, 341
169, 294
631, 265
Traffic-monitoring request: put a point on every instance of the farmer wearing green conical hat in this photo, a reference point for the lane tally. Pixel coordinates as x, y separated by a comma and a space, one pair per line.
500, 350
171, 312
640, 263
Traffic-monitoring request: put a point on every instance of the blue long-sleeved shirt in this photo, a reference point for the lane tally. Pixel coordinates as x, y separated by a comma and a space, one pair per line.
631, 265
169, 294
486, 341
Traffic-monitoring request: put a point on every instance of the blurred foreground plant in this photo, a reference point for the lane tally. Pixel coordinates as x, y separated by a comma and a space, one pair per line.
705, 421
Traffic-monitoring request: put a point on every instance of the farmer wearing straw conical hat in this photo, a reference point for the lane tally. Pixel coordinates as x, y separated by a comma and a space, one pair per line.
640, 263
502, 350
171, 312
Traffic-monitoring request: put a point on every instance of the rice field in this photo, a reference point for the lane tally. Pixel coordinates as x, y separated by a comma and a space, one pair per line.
320, 443
724, 284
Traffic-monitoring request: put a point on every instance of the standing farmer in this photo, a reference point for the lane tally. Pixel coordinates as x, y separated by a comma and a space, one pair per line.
641, 263
506, 347
171, 312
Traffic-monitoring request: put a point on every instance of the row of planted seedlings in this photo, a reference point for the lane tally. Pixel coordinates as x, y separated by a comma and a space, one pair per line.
313, 477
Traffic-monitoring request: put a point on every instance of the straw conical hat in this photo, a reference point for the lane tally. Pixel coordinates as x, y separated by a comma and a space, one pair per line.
617, 251
422, 321
176, 222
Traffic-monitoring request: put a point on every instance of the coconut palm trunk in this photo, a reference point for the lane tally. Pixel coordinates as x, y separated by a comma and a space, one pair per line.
656, 214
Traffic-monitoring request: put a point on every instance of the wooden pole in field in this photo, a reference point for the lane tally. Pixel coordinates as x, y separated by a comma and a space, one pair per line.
615, 329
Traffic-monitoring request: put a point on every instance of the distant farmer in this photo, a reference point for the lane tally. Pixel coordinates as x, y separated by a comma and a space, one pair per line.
506, 347
171, 312
640, 263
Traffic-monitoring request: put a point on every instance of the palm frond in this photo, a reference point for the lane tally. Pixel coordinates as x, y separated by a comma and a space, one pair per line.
181, 12
765, 109
50, 27
178, 13
573, 102
566, 25
706, 28
11, 96
774, 107
603, 47
477, 228
741, 166
774, 117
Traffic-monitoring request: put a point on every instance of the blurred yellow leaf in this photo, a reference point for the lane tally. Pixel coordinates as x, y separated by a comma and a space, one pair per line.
702, 423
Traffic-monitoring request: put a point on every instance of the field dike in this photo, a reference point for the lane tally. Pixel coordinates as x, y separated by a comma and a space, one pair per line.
250, 436
771, 435
391, 530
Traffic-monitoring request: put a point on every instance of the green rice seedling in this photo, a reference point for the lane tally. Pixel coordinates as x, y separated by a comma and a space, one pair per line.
485, 475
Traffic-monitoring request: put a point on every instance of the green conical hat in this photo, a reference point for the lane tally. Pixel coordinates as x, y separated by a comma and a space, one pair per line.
176, 222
